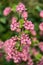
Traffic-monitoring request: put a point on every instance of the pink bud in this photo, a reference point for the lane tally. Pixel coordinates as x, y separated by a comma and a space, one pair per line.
33, 32
41, 26
41, 14
24, 15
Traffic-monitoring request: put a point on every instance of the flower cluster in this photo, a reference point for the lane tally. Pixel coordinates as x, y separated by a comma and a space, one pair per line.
41, 14
15, 25
41, 26
11, 51
41, 46
25, 39
6, 11
20, 8
28, 25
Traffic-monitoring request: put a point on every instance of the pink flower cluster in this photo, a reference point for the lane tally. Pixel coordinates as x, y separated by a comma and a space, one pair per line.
6, 11
24, 15
41, 14
41, 46
30, 62
20, 7
22, 10
25, 39
29, 25
11, 51
41, 26
14, 25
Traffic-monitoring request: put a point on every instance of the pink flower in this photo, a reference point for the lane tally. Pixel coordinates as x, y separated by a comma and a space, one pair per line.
14, 20
14, 24
41, 46
30, 62
8, 58
41, 26
25, 39
24, 53
34, 39
33, 32
29, 25
25, 15
18, 30
6, 11
16, 56
34, 51
20, 7
41, 14
41, 33
9, 45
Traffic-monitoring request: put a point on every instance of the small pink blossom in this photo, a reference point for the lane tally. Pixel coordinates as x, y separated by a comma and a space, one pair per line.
9, 45
25, 39
18, 30
41, 14
20, 7
24, 53
16, 56
41, 33
33, 32
6, 11
34, 51
41, 26
30, 61
34, 39
8, 58
14, 24
25, 15
29, 25
41, 46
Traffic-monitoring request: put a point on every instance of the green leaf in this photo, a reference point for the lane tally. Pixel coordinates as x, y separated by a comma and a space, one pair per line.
1, 28
27, 31
38, 56
14, 7
21, 23
6, 35
38, 8
3, 20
